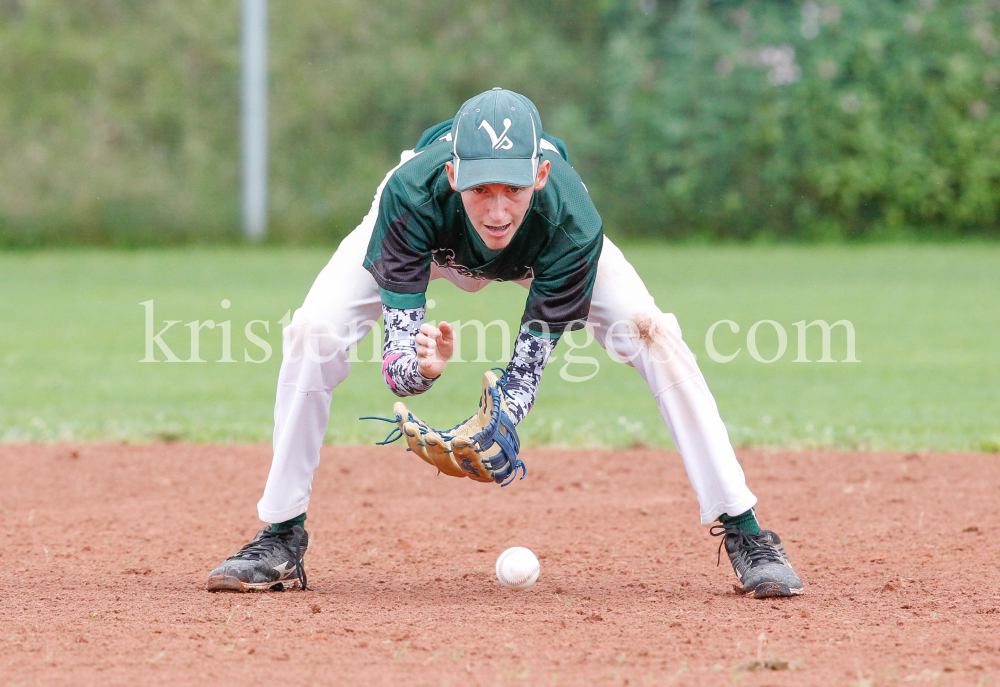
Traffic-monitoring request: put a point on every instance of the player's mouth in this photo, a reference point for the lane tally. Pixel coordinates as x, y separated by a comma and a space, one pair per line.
497, 232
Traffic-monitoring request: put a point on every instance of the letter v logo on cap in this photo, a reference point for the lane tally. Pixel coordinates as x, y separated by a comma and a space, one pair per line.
501, 142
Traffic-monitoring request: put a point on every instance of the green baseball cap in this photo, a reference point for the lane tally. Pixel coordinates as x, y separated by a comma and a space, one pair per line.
496, 139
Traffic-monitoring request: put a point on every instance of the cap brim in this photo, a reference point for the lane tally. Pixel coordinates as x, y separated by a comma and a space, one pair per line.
511, 171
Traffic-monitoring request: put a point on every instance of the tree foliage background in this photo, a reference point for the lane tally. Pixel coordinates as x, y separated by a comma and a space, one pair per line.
725, 119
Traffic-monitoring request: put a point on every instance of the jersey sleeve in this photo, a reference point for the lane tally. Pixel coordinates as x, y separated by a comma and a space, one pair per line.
399, 251
559, 298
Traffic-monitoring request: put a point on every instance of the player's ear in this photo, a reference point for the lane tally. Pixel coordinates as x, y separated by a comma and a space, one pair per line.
451, 175
542, 177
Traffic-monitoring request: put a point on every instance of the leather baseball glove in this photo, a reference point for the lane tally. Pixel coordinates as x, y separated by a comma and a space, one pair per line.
484, 447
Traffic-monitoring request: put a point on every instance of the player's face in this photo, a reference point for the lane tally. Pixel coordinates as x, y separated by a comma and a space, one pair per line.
497, 210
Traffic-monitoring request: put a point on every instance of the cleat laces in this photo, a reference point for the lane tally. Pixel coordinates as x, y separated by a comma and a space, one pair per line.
756, 549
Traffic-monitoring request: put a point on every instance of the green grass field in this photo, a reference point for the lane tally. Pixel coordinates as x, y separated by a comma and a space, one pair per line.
927, 321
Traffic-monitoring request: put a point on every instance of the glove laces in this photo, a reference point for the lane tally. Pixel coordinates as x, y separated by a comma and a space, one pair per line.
500, 430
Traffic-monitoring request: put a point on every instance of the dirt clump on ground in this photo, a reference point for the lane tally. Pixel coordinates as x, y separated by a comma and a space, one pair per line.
107, 548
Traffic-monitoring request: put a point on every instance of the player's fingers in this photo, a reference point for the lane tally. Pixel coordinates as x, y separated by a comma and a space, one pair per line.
447, 332
446, 344
430, 330
427, 342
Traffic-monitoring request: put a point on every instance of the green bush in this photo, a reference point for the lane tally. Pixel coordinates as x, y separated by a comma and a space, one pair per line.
803, 120
119, 119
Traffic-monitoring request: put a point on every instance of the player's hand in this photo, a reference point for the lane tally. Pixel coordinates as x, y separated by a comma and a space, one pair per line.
435, 346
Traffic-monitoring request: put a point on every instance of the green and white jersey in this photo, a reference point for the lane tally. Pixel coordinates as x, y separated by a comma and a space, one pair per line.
421, 219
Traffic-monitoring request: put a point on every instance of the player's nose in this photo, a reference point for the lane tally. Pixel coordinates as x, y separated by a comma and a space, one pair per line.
498, 209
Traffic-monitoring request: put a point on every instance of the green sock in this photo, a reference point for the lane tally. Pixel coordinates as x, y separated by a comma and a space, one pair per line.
745, 521
299, 520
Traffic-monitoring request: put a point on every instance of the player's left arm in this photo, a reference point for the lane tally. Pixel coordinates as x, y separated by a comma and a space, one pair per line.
531, 354
559, 299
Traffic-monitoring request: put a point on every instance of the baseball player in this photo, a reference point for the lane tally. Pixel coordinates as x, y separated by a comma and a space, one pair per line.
486, 196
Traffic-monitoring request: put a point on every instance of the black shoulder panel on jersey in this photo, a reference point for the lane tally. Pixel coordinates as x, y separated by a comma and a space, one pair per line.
567, 307
411, 270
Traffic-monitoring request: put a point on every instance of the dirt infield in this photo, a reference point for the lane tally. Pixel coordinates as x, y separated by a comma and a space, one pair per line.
106, 550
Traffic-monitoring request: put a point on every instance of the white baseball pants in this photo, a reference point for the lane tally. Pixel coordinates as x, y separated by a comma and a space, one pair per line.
344, 304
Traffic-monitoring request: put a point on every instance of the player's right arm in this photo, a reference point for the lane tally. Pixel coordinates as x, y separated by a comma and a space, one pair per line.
399, 257
435, 346
408, 370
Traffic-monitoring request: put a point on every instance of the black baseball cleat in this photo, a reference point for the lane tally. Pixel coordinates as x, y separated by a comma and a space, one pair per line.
760, 562
272, 561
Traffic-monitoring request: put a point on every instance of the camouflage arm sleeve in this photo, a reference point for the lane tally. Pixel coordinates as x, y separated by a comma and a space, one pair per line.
399, 353
531, 353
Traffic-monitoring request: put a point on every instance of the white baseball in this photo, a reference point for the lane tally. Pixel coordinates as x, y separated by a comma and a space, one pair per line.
517, 568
